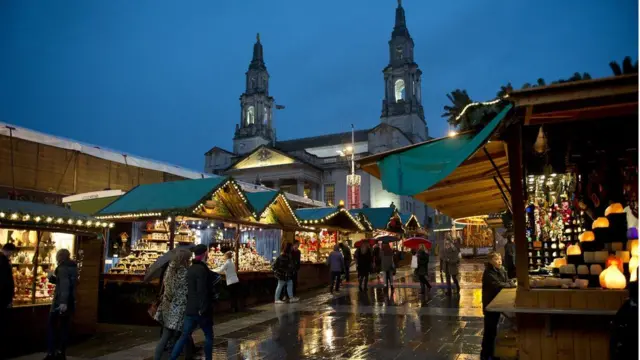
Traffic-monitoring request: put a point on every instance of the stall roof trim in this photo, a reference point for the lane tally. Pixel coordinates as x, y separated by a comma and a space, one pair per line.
315, 213
164, 197
407, 217
261, 200
323, 216
26, 213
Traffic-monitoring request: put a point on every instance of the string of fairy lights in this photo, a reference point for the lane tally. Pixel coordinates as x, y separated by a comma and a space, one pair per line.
32, 218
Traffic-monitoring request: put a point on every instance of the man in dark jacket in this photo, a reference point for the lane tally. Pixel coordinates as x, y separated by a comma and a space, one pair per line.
63, 305
346, 254
494, 279
200, 298
295, 260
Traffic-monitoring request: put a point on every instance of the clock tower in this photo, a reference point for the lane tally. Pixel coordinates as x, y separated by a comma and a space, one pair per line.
402, 104
256, 107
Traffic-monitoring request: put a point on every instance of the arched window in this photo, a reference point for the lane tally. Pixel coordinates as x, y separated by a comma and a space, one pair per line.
266, 116
250, 115
399, 90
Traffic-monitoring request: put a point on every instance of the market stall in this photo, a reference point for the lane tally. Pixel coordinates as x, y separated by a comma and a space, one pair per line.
326, 227
39, 231
571, 185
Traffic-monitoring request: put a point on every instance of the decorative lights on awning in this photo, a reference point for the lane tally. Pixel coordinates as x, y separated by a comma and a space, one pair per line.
17, 217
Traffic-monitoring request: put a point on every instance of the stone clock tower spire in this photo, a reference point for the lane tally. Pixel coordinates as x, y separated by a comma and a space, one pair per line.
402, 104
256, 115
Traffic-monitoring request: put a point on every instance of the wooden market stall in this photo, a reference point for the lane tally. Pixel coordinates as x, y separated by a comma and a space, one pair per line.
39, 231
564, 162
325, 227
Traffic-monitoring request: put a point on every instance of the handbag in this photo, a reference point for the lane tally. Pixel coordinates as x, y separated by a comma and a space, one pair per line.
153, 308
414, 262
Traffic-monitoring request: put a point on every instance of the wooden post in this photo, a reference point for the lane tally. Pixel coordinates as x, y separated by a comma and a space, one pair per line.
172, 233
514, 152
36, 255
237, 246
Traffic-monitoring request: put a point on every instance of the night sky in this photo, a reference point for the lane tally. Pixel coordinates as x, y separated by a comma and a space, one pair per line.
161, 79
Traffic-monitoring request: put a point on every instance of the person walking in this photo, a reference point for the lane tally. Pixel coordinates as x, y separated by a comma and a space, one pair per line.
173, 303
346, 254
422, 269
336, 267
364, 261
63, 305
200, 297
233, 283
376, 260
7, 289
510, 258
494, 279
451, 265
387, 265
283, 269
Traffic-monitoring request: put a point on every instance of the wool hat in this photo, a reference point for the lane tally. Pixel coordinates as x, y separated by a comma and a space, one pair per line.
200, 249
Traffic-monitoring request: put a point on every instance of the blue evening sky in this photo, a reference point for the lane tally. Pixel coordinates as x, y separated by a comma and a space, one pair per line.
161, 79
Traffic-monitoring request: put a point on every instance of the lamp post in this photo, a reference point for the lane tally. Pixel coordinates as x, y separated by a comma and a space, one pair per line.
353, 180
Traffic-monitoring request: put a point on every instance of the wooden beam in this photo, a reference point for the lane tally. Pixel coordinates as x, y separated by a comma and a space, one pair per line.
435, 199
514, 147
465, 199
449, 181
570, 94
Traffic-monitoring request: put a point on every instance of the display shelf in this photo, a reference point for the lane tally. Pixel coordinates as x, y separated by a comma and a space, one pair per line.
155, 231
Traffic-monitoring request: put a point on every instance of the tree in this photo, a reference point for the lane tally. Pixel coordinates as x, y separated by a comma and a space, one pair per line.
628, 67
504, 90
459, 100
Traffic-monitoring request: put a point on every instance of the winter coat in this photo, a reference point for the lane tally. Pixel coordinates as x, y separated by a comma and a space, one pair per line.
386, 261
376, 258
452, 260
423, 263
65, 278
493, 280
364, 262
200, 289
346, 253
335, 262
174, 299
6, 282
284, 267
624, 333
229, 270
295, 257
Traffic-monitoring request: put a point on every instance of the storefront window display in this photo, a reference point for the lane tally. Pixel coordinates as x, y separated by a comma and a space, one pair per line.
32, 260
315, 247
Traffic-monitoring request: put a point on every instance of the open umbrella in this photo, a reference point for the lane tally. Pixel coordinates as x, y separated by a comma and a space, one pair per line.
359, 242
415, 242
387, 239
155, 270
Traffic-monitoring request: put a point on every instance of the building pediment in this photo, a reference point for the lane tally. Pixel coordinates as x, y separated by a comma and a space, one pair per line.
263, 156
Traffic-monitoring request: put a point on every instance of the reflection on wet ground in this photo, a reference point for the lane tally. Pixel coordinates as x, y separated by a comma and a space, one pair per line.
369, 325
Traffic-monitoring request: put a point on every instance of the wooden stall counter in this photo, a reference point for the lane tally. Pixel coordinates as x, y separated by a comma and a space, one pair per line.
561, 323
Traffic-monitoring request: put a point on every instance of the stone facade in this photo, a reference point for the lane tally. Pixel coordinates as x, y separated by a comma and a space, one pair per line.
317, 167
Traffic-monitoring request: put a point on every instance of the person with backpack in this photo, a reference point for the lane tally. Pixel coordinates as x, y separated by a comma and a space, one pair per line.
200, 298
283, 269
64, 303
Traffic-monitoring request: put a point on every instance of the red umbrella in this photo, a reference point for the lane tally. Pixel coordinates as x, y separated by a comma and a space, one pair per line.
415, 242
371, 242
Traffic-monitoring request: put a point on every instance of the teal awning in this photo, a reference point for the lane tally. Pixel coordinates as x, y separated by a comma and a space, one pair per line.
333, 217
378, 217
261, 200
407, 217
417, 169
173, 196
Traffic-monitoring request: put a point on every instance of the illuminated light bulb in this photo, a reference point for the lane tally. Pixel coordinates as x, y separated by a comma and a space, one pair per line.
452, 133
14, 216
2, 214
49, 219
69, 221
26, 217
38, 218
79, 222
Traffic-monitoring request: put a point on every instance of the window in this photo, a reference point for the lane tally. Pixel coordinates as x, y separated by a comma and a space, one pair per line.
266, 116
330, 194
399, 90
250, 115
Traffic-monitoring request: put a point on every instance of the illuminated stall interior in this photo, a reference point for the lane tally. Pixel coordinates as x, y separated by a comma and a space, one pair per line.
326, 228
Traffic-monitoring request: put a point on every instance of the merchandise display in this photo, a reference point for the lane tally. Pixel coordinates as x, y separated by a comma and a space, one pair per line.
316, 247
32, 260
249, 260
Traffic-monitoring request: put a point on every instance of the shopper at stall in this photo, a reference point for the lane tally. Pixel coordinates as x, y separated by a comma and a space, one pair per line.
346, 254
295, 256
200, 298
6, 288
387, 265
451, 265
283, 269
364, 261
233, 283
335, 261
63, 306
494, 279
173, 303
510, 258
422, 269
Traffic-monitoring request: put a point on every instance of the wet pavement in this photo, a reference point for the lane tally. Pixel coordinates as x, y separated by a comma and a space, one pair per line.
352, 325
